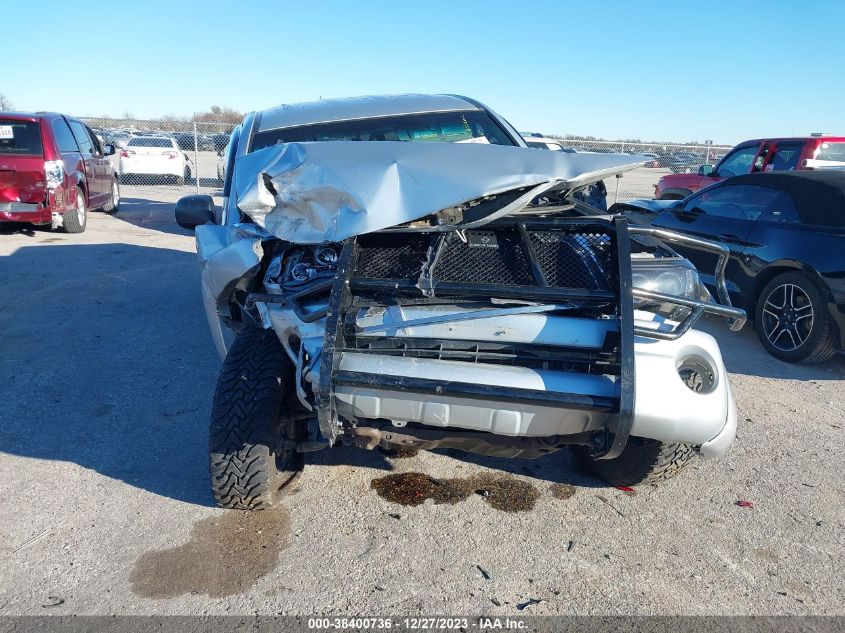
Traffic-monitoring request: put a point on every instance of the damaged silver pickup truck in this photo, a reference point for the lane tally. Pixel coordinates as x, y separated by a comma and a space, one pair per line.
402, 272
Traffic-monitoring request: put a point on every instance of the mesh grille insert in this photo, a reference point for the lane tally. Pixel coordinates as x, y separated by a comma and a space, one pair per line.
575, 260
568, 258
398, 256
486, 258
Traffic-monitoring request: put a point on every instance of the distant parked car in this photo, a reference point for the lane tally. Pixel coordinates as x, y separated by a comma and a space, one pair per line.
654, 159
786, 235
120, 139
220, 141
541, 142
759, 155
185, 140
683, 163
154, 156
53, 169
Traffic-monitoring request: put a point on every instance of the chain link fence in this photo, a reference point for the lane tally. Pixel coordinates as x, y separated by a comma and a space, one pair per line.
664, 158
165, 159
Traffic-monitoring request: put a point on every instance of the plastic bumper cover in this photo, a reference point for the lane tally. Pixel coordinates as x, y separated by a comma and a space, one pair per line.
24, 212
485, 397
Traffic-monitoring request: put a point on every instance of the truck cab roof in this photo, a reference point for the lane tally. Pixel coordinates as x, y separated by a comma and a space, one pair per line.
364, 107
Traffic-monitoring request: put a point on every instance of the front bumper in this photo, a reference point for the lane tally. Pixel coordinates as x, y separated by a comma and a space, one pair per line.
524, 402
577, 368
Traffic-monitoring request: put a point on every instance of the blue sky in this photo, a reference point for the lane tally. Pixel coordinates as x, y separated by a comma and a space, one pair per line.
680, 71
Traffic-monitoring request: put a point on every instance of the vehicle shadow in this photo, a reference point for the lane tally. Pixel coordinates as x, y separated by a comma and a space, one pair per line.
744, 354
157, 215
106, 363
349, 456
559, 467
19, 228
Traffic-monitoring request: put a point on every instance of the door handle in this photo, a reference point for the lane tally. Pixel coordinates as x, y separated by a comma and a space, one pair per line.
729, 237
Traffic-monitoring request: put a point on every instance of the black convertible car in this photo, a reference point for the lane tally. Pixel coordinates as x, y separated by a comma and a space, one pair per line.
786, 234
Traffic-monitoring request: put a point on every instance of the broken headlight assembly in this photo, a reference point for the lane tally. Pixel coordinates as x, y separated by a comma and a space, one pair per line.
300, 266
296, 277
688, 300
676, 277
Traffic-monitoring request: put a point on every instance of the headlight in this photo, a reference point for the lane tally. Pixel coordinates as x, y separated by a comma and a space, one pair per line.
54, 171
301, 265
678, 278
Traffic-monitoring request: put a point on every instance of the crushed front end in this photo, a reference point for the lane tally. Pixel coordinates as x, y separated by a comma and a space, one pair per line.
513, 339
455, 297
517, 336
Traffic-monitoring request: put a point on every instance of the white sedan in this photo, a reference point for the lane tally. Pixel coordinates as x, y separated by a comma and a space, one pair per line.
154, 156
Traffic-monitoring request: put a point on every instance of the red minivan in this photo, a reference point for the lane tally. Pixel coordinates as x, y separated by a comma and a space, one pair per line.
53, 170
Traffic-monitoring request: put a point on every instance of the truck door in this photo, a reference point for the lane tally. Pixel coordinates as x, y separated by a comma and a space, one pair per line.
740, 161
783, 156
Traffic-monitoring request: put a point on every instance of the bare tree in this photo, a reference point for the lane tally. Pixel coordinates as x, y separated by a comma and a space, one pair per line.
5, 104
218, 115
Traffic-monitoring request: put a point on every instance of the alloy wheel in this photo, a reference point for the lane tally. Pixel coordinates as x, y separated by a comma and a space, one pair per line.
80, 208
787, 317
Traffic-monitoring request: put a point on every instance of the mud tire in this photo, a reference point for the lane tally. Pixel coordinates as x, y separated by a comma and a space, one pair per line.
252, 455
643, 461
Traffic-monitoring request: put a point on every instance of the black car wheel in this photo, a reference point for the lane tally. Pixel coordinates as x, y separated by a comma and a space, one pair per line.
792, 320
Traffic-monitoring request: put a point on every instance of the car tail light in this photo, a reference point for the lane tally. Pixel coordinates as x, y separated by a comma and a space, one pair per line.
127, 153
54, 171
169, 154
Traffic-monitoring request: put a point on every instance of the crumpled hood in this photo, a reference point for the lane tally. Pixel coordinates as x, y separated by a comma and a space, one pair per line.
308, 193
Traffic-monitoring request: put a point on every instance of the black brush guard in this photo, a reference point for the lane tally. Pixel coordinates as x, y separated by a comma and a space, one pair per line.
534, 273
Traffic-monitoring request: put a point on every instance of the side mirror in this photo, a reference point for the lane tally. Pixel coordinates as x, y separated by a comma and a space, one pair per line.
192, 211
109, 149
707, 170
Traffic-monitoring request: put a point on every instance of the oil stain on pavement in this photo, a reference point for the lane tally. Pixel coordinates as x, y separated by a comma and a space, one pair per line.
562, 491
501, 492
225, 555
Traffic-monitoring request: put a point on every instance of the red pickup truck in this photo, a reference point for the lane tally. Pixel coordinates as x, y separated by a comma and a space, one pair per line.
53, 169
759, 155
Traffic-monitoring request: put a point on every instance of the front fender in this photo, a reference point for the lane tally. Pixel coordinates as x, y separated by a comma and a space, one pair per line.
228, 255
